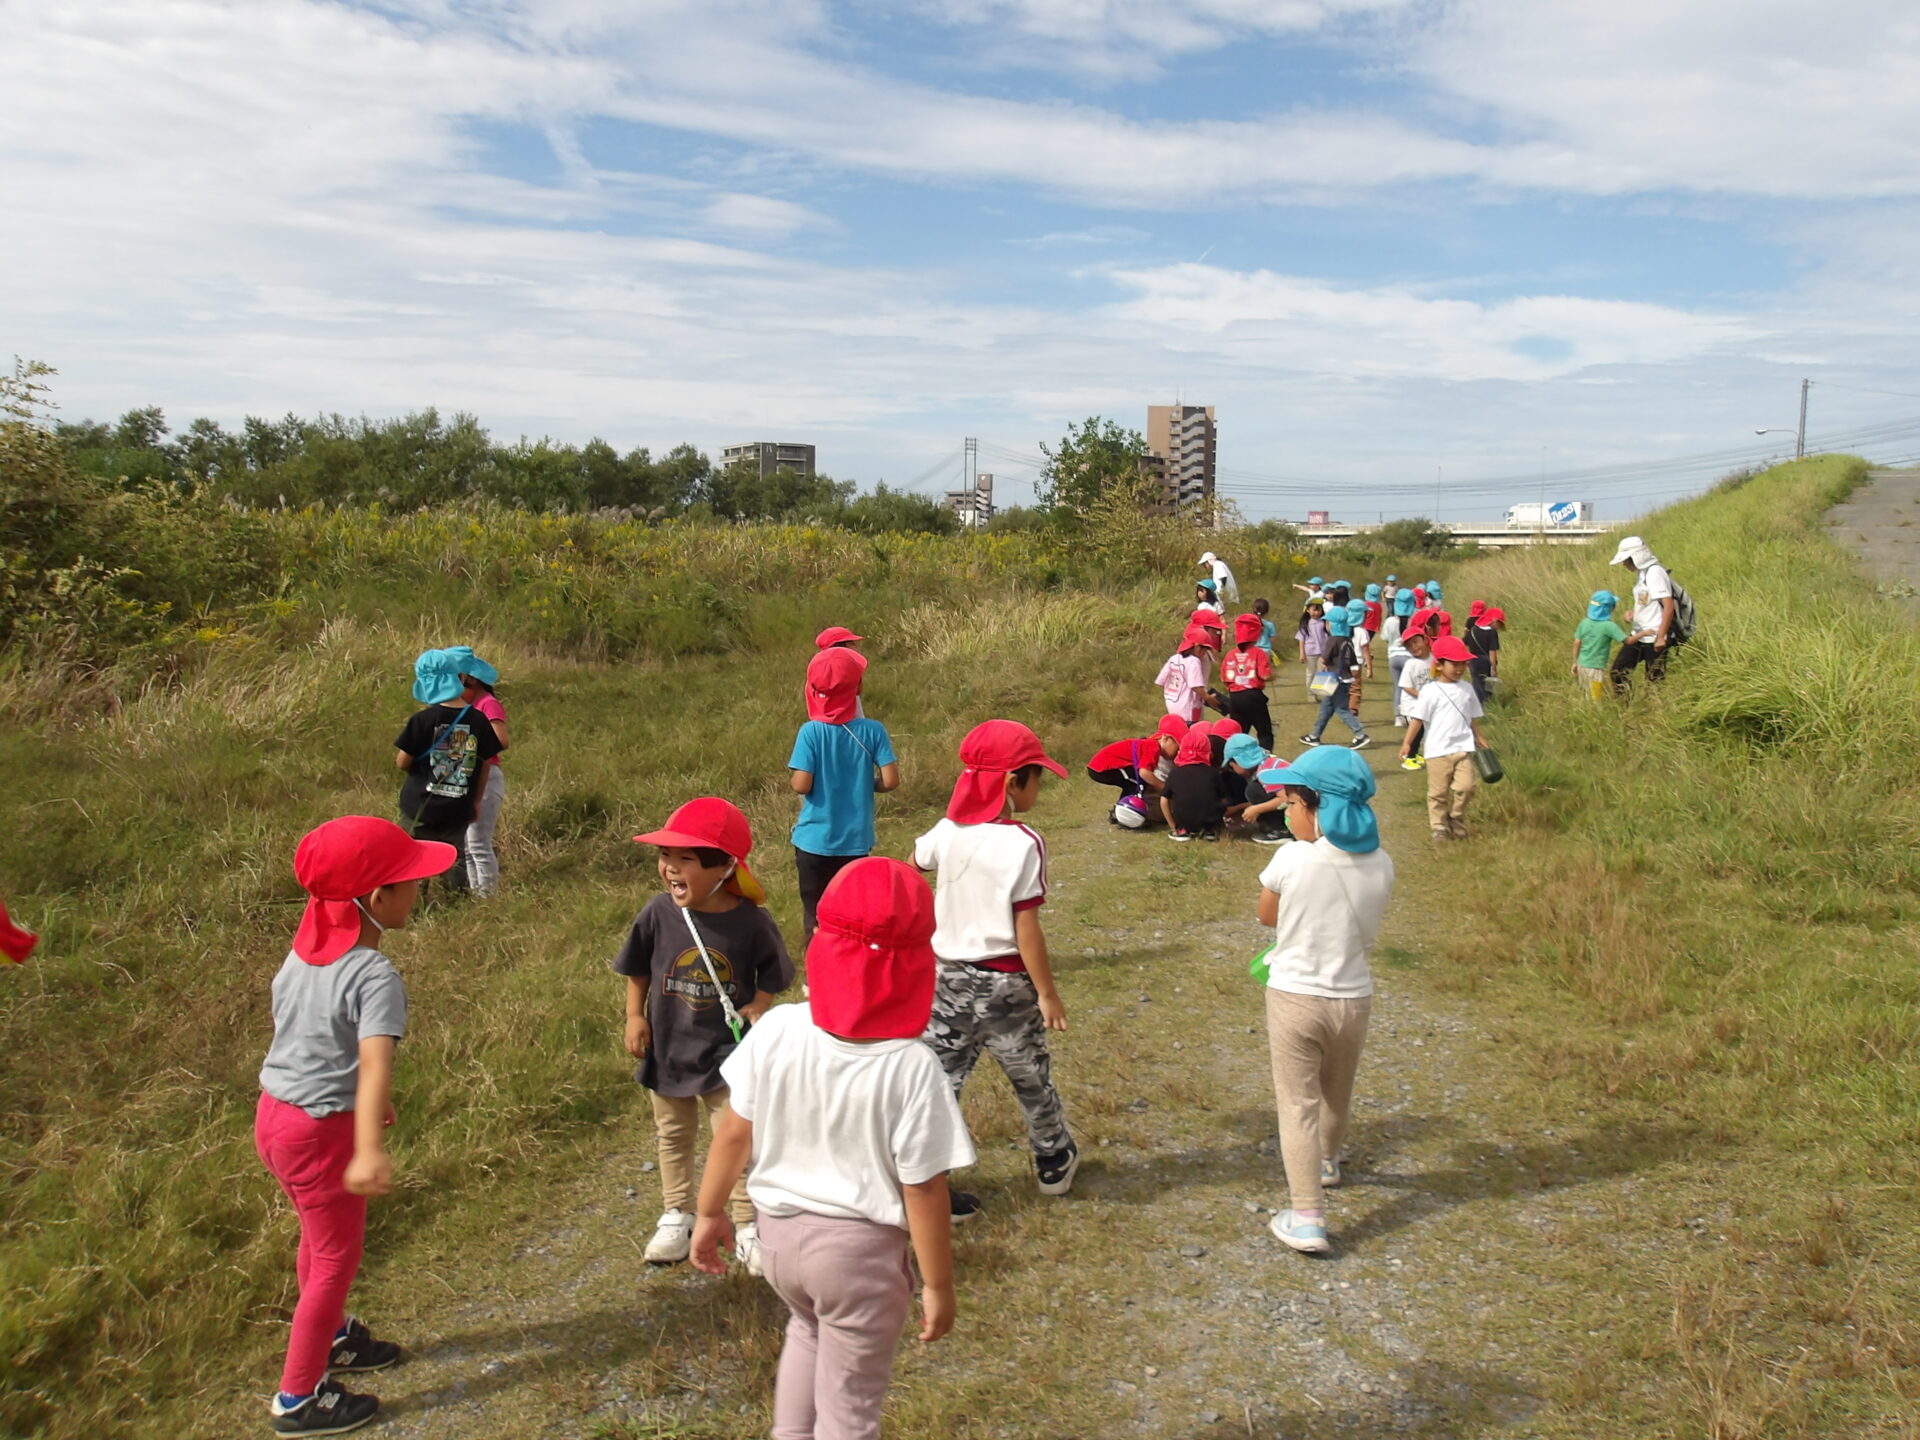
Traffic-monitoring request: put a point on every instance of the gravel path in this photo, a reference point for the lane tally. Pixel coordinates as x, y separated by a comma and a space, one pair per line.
1880, 523
1152, 1302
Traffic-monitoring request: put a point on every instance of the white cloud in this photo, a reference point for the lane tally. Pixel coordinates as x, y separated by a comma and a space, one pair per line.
760, 215
1306, 325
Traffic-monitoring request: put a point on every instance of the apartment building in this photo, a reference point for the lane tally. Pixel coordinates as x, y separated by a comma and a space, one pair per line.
1181, 441
770, 457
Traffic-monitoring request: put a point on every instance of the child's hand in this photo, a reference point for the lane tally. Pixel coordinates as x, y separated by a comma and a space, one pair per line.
1053, 1011
710, 1232
639, 1036
936, 1311
368, 1174
756, 1007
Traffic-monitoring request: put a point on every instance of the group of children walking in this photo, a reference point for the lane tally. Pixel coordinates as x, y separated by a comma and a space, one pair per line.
835, 1123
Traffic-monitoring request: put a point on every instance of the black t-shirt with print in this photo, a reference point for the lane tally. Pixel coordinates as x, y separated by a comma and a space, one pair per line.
449, 744
690, 1035
1193, 794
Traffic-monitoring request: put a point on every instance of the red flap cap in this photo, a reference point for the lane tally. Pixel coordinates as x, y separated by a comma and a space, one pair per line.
342, 860
835, 635
870, 965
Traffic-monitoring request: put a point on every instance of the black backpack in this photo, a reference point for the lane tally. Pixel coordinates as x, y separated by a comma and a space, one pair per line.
1686, 620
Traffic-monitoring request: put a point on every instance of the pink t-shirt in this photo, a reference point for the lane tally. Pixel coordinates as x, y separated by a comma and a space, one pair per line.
1183, 680
488, 706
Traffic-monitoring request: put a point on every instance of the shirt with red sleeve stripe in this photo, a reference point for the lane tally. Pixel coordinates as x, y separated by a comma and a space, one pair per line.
1127, 755
983, 875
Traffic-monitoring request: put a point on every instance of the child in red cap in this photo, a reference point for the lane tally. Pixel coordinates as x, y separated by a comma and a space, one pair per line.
1245, 672
1138, 769
1183, 679
841, 1189
995, 989
703, 961
339, 1008
1445, 716
840, 760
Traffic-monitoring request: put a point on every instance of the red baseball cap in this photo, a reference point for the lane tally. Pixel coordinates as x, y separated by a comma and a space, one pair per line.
992, 750
1449, 648
16, 944
835, 635
711, 823
870, 964
340, 861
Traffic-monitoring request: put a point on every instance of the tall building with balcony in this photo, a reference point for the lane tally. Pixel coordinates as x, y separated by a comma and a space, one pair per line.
770, 457
1181, 442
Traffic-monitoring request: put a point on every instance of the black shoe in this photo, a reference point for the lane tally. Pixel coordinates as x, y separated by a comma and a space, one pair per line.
1309, 739
357, 1350
1271, 837
1056, 1171
961, 1206
1211, 836
328, 1411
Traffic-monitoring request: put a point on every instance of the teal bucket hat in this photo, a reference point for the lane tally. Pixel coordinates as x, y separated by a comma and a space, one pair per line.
436, 675
1344, 784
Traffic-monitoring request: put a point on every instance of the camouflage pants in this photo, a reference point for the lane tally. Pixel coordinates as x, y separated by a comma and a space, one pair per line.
975, 1008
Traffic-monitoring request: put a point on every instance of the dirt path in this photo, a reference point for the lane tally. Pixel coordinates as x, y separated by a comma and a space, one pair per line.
1880, 523
1152, 1302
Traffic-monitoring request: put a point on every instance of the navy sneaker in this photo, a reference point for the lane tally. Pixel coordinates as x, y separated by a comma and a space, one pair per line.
961, 1206
330, 1410
357, 1350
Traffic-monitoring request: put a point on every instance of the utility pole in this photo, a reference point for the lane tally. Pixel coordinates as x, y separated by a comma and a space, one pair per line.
969, 464
1800, 439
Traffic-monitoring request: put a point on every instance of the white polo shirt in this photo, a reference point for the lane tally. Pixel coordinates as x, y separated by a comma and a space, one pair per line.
982, 875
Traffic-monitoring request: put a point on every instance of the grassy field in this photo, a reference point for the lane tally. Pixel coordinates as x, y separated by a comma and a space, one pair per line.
1653, 1044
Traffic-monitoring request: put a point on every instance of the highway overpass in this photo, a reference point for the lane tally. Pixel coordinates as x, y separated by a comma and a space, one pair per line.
1491, 535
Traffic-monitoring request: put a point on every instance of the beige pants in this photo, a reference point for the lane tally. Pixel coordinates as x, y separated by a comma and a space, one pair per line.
1450, 782
676, 1121
1594, 682
1316, 1044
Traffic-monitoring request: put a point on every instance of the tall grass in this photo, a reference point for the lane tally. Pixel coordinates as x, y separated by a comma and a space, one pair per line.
1705, 903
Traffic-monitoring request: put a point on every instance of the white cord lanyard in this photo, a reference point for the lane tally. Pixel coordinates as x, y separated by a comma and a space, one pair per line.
734, 1022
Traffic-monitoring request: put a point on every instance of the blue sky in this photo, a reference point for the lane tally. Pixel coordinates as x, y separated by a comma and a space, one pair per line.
1483, 240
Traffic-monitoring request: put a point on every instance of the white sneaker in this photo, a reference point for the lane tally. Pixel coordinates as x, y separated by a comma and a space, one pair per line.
1330, 1173
672, 1239
746, 1247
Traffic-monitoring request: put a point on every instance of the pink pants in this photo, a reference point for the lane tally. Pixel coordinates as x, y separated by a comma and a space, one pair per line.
849, 1288
309, 1158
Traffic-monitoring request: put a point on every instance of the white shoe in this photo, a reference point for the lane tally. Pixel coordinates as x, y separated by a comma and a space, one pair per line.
1330, 1173
746, 1247
672, 1239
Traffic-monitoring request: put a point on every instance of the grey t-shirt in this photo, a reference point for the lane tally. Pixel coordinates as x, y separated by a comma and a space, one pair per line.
321, 1013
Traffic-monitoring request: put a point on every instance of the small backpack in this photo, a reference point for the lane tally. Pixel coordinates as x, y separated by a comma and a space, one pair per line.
1686, 620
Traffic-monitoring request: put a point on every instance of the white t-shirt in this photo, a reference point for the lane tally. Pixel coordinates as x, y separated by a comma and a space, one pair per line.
1183, 680
1331, 905
983, 874
840, 1125
1414, 675
1448, 709
1390, 628
1651, 586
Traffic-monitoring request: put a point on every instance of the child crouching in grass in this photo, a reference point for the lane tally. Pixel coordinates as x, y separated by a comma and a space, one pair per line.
1325, 897
850, 1129
339, 1008
702, 961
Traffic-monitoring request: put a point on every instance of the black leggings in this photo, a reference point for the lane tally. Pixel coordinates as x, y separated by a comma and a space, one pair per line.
1249, 707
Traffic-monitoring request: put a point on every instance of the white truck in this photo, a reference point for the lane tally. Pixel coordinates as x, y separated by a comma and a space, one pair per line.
1556, 515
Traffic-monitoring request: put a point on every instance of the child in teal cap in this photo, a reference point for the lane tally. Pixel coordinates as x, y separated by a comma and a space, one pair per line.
444, 751
1593, 641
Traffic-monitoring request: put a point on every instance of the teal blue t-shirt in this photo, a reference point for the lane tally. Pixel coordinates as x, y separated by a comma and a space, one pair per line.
836, 817
1266, 636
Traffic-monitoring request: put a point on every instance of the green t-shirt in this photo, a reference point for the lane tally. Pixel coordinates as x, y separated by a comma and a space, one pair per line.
1597, 638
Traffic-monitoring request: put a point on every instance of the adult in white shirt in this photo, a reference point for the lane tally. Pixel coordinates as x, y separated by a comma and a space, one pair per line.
1325, 896
1653, 607
1223, 580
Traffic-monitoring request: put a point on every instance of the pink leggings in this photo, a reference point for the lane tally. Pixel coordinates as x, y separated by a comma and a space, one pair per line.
849, 1288
309, 1158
